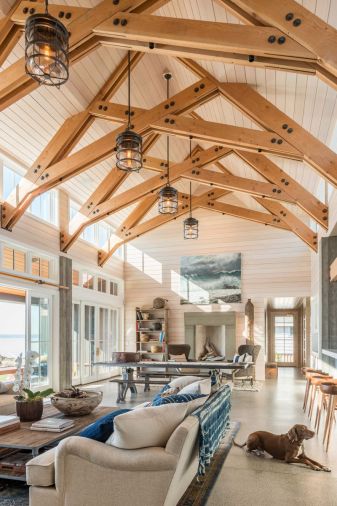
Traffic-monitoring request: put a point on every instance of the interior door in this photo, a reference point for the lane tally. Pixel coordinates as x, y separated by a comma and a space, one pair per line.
284, 338
76, 344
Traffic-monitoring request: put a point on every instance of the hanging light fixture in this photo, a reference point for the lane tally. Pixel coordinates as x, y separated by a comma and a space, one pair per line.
191, 225
129, 143
46, 49
168, 196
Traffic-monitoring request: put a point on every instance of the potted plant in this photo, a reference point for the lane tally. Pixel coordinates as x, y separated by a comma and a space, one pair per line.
29, 405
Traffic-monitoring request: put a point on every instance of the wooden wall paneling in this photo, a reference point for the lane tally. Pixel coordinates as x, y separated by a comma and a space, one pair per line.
297, 226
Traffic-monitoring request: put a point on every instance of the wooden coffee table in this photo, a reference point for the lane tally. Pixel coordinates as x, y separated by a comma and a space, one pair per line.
33, 441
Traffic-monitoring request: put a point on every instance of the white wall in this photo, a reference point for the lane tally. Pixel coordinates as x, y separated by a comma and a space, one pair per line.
275, 263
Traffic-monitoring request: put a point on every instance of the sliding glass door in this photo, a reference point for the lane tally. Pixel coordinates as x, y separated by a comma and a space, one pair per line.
95, 337
39, 338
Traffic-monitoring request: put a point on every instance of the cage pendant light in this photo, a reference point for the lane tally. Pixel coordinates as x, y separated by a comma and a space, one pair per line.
191, 225
46, 49
129, 143
168, 196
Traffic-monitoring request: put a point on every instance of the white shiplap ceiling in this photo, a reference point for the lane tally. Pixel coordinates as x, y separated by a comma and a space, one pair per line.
28, 125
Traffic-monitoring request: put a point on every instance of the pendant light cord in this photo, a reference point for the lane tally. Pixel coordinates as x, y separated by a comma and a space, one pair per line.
129, 90
46, 4
190, 181
168, 137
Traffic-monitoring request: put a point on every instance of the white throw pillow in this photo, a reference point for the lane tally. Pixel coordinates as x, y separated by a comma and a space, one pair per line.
248, 358
146, 427
198, 387
183, 381
196, 403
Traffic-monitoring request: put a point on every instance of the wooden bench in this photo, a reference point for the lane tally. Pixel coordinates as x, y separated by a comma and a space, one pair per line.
130, 383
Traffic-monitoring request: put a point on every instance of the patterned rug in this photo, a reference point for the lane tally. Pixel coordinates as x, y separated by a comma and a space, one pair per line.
199, 491
13, 493
245, 386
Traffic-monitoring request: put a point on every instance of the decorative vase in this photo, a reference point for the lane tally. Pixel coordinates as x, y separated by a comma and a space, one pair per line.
29, 411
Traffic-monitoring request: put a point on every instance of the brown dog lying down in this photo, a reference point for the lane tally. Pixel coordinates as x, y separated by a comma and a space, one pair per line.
287, 447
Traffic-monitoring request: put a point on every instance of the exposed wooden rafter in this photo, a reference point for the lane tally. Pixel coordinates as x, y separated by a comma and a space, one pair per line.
133, 195
15, 84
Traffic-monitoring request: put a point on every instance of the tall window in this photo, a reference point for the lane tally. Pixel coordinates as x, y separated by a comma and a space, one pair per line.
10, 180
45, 207
88, 280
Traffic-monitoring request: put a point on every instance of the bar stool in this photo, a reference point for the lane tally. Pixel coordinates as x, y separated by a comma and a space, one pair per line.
315, 384
308, 376
322, 402
331, 392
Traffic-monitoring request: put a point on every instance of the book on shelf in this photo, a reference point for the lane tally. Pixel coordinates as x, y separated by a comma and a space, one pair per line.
139, 314
52, 424
6, 420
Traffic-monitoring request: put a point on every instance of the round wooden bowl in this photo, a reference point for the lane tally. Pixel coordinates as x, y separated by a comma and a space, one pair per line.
156, 349
144, 338
125, 356
72, 406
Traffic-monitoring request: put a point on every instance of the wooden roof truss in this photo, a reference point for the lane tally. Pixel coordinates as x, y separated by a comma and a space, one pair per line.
284, 36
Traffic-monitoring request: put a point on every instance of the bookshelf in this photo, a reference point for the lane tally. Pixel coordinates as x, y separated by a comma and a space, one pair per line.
151, 333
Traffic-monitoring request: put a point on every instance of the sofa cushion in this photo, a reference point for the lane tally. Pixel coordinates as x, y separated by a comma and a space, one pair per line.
176, 399
40, 471
102, 428
197, 387
146, 427
183, 381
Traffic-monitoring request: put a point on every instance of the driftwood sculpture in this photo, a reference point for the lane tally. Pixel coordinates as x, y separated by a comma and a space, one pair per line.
208, 350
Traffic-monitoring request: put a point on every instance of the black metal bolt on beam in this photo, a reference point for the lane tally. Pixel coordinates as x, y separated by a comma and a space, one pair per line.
281, 40
271, 39
297, 22
251, 58
289, 16
151, 45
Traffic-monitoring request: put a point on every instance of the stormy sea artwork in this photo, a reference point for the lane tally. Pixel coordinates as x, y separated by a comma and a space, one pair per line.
210, 279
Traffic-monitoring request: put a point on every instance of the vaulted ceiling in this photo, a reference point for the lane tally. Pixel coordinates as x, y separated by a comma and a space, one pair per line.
254, 83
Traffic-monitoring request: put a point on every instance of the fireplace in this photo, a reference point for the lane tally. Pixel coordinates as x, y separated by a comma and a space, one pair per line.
217, 330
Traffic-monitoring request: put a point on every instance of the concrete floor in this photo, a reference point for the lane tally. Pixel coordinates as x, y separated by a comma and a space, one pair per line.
247, 480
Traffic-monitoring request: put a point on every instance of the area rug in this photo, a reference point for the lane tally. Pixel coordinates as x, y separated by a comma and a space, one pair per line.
200, 489
13, 493
245, 386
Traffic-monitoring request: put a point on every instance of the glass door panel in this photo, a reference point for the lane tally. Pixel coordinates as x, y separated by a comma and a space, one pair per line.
39, 339
285, 339
76, 348
88, 343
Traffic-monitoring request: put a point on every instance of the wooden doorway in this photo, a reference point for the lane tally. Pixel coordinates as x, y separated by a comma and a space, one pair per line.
284, 336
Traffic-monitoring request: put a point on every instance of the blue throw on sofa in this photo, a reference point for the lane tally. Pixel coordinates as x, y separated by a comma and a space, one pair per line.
214, 421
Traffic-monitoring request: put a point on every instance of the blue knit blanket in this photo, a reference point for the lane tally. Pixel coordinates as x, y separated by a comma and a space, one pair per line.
214, 421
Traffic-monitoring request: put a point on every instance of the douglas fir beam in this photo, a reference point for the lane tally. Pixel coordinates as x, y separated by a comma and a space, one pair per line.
227, 135
132, 220
308, 202
156, 222
315, 153
10, 33
202, 38
297, 226
104, 147
246, 214
15, 84
62, 143
130, 196
300, 24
